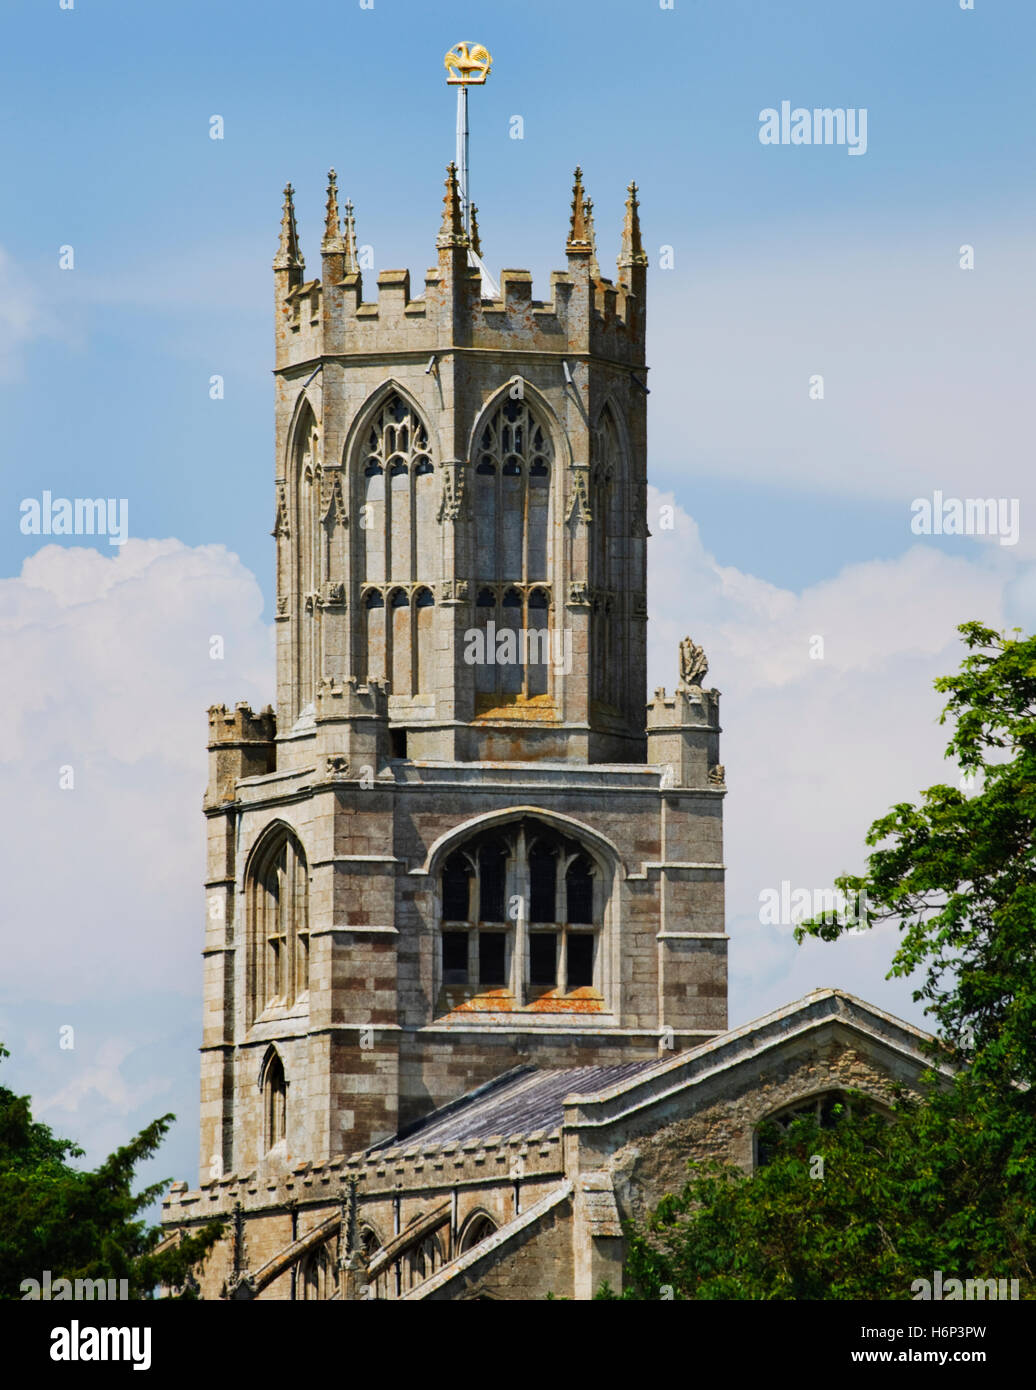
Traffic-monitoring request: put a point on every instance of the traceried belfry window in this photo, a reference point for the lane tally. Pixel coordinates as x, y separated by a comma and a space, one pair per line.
512, 461
395, 488
521, 925
279, 927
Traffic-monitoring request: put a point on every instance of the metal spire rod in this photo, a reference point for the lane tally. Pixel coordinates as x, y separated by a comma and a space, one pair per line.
468, 64
462, 153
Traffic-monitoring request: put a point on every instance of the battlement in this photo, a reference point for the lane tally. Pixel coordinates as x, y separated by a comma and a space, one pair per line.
349, 699
683, 729
241, 725
688, 707
381, 1172
586, 312
241, 744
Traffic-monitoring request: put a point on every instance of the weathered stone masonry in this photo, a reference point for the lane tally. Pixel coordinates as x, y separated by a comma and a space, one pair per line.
465, 981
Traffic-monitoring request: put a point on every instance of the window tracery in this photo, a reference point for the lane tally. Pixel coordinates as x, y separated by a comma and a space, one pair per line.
400, 535
522, 917
278, 890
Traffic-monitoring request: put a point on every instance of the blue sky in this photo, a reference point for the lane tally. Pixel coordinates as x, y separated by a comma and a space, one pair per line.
794, 514
174, 232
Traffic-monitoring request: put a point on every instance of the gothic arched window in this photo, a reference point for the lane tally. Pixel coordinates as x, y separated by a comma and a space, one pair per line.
422, 1261
522, 918
826, 1108
394, 479
478, 1228
318, 1274
278, 891
370, 1241
513, 458
396, 486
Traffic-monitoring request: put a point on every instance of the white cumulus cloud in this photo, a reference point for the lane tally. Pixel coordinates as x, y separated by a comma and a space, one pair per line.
105, 670
814, 749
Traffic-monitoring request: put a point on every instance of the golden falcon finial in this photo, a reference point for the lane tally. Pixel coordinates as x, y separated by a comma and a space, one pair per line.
467, 63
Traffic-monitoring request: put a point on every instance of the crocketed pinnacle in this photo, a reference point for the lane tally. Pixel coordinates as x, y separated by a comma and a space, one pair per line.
591, 236
578, 238
452, 232
332, 230
476, 244
352, 265
288, 255
632, 251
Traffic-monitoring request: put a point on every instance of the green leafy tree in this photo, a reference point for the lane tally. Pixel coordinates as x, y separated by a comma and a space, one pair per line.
958, 871
948, 1180
82, 1224
946, 1183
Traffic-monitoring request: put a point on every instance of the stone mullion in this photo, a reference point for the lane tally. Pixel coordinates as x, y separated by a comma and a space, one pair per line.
474, 913
561, 923
290, 929
283, 931
415, 665
413, 571
316, 656
473, 954
598, 908
498, 521
519, 883
355, 568
523, 649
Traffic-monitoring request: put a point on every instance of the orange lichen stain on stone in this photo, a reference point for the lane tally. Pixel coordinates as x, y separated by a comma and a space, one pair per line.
580, 1001
491, 1001
498, 1001
537, 708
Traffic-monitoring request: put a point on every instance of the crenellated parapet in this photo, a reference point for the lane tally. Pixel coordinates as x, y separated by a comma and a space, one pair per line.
241, 725
241, 744
683, 728
349, 699
382, 1172
352, 727
685, 708
585, 314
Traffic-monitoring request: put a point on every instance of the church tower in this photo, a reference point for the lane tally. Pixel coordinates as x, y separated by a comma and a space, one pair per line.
463, 841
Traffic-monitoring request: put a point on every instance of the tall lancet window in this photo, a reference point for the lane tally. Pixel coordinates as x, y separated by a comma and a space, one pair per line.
395, 482
309, 543
275, 1106
278, 892
609, 546
513, 461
